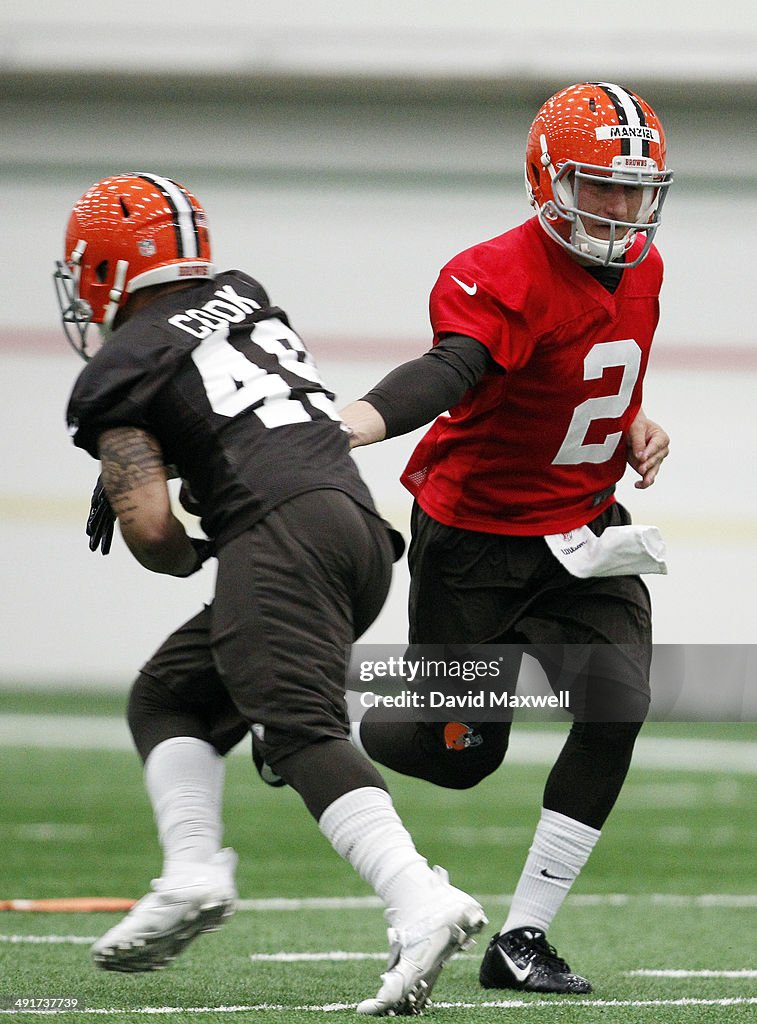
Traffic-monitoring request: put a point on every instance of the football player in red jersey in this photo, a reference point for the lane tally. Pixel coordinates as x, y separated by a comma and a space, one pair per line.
200, 372
541, 342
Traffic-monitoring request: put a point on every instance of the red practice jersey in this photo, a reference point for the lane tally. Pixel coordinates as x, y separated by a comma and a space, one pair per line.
538, 444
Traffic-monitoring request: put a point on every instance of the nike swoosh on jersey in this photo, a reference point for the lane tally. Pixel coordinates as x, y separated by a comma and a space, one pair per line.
471, 289
519, 973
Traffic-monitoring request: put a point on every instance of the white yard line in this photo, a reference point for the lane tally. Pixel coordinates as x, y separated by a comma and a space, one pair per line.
498, 1004
334, 955
648, 972
277, 904
715, 900
74, 940
105, 732
342, 956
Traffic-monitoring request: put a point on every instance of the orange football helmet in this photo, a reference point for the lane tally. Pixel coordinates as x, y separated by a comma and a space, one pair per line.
127, 232
589, 132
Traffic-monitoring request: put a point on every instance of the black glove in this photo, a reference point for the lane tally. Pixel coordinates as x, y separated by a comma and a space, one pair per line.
187, 500
204, 549
101, 520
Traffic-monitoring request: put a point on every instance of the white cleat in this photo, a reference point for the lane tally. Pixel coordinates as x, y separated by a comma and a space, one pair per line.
165, 921
420, 946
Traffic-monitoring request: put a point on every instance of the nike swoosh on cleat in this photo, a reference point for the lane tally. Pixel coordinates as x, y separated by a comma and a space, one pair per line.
557, 878
471, 289
519, 973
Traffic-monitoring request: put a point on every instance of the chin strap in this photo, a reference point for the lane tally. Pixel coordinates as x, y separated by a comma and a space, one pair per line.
119, 283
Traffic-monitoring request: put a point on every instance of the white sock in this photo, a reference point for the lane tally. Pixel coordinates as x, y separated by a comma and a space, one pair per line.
184, 779
364, 828
560, 848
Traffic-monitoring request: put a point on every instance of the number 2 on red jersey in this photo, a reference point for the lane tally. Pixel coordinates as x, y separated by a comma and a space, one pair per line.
574, 449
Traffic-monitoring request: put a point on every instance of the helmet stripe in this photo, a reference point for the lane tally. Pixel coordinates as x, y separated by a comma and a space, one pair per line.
187, 244
629, 112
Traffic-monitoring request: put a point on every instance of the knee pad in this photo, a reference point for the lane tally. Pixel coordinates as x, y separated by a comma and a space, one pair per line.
467, 754
452, 755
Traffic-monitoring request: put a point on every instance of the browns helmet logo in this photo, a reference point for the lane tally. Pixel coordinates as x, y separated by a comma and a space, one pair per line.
459, 736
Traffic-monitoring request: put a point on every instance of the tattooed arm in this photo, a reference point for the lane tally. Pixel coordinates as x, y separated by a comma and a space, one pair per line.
135, 476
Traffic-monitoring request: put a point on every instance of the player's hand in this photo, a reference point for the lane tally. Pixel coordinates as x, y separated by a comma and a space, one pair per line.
204, 549
647, 445
364, 423
101, 520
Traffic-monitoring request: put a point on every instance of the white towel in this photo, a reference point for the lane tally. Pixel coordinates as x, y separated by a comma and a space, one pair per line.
619, 551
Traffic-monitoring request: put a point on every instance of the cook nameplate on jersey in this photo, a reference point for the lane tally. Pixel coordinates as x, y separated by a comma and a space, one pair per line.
219, 377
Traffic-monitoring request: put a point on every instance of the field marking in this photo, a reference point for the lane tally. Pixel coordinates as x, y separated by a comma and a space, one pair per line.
278, 904
107, 732
338, 955
51, 831
75, 940
714, 900
342, 956
346, 956
494, 1004
666, 973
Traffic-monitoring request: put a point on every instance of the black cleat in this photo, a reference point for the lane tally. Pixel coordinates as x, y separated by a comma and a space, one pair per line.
524, 960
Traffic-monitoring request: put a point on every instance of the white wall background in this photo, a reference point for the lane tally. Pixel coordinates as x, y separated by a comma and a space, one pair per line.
344, 152
675, 40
